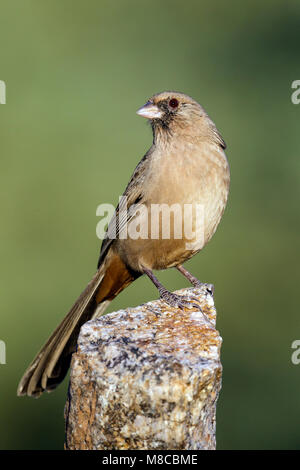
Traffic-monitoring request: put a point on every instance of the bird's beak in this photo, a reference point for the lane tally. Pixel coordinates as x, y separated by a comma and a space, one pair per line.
150, 111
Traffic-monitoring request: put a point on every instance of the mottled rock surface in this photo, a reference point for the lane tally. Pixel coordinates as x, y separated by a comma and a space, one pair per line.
146, 378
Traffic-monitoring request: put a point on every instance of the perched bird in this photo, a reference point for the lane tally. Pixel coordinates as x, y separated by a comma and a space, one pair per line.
186, 165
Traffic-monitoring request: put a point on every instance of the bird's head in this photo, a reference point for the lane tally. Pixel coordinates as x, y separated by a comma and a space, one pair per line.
170, 108
172, 113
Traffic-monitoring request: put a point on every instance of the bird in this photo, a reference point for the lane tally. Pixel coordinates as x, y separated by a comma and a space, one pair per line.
185, 166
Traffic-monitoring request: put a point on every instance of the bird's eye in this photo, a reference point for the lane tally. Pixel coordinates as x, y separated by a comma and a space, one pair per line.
173, 103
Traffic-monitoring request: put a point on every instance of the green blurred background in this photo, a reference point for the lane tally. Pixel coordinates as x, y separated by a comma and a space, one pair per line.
76, 71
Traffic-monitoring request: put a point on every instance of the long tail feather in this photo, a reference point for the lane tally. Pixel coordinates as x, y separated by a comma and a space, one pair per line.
50, 365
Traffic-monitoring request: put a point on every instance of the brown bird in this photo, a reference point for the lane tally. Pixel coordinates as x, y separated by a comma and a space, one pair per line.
185, 167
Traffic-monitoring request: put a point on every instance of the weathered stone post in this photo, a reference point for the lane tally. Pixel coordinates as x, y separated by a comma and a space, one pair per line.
146, 378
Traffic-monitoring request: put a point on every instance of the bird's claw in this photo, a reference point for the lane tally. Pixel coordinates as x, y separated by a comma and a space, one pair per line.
210, 288
177, 301
182, 302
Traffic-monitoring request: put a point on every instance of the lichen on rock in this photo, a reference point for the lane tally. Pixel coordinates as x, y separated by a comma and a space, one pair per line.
146, 378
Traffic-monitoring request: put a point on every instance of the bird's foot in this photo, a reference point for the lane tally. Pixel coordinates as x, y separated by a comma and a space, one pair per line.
182, 302
210, 288
179, 301
194, 281
198, 284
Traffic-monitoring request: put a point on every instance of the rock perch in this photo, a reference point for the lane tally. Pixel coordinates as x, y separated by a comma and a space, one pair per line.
146, 378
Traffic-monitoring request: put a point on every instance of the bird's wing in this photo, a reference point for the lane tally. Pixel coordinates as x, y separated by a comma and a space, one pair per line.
129, 204
219, 139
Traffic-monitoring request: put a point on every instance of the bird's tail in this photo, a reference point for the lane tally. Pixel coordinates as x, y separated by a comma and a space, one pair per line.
50, 365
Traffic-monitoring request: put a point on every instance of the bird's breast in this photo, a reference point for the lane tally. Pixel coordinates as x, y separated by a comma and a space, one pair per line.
194, 177
185, 194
